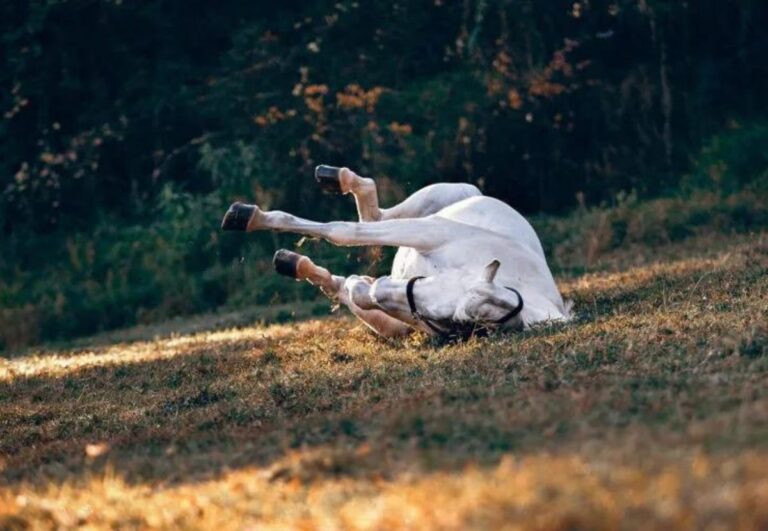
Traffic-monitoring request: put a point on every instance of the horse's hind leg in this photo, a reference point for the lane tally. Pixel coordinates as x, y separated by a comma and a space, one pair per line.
338, 288
365, 192
428, 200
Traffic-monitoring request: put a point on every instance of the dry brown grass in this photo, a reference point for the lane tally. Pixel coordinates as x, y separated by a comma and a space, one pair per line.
650, 411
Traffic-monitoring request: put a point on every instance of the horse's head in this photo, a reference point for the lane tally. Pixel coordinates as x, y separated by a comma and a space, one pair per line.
487, 302
442, 300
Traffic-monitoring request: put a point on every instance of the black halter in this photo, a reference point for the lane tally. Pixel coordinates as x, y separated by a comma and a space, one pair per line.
457, 329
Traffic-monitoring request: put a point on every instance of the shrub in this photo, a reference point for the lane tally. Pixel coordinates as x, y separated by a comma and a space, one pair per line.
731, 161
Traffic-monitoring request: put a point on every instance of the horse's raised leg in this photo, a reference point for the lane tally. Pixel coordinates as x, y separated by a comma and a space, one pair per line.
338, 288
345, 181
365, 192
430, 200
423, 234
424, 202
300, 267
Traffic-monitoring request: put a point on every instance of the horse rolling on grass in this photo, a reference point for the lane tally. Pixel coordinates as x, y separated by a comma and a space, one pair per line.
465, 262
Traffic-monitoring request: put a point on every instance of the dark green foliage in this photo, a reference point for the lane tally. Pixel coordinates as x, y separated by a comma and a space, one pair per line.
732, 160
126, 128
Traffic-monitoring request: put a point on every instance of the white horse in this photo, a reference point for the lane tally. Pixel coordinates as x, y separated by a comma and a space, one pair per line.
465, 261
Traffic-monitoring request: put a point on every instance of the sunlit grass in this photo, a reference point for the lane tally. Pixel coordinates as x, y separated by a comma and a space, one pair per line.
63, 362
649, 411
544, 491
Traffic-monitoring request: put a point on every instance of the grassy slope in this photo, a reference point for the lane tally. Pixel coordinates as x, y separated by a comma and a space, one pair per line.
650, 411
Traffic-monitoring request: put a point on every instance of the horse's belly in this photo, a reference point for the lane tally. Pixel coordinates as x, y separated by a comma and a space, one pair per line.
409, 263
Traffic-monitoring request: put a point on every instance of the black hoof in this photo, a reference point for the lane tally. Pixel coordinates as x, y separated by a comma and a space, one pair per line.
237, 217
327, 178
285, 262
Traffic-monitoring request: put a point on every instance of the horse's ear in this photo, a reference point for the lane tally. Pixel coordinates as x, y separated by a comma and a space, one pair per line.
489, 273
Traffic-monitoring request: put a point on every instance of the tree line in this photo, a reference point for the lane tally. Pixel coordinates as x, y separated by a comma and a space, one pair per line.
139, 121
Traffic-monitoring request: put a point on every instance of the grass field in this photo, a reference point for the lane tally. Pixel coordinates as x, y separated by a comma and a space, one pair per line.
649, 411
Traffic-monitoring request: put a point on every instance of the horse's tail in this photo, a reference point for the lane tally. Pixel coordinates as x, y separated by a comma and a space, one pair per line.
568, 309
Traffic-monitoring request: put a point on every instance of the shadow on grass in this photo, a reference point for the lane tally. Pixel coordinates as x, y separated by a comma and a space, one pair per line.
162, 431
189, 417
222, 406
259, 315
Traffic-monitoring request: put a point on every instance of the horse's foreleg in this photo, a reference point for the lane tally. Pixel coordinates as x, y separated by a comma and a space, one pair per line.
300, 267
376, 320
338, 288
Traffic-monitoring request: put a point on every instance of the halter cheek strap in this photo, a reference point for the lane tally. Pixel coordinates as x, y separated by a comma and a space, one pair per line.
515, 311
415, 312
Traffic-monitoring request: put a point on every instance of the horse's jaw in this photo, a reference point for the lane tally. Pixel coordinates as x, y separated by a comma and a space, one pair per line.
435, 297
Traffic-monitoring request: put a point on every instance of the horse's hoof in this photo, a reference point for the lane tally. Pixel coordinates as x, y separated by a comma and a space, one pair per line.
237, 217
286, 262
327, 178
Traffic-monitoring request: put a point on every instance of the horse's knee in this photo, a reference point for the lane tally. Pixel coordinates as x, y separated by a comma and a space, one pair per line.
454, 192
359, 292
472, 190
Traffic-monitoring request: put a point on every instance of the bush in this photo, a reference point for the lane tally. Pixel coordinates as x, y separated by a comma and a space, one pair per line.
65, 285
179, 264
731, 161
578, 241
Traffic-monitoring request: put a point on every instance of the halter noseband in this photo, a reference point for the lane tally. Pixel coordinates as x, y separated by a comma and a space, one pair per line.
456, 329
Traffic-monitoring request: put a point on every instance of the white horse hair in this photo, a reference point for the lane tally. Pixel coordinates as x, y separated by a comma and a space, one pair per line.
482, 263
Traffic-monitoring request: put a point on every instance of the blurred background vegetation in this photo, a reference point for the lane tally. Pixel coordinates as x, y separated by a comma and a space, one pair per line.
126, 128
